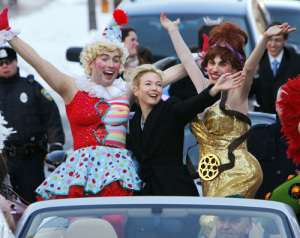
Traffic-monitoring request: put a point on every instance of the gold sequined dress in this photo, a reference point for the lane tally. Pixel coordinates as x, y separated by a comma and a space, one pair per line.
214, 134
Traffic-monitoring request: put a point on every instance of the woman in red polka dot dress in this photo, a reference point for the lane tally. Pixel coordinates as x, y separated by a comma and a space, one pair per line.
98, 108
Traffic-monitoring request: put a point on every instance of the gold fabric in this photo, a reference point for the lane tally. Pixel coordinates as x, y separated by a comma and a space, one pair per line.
214, 134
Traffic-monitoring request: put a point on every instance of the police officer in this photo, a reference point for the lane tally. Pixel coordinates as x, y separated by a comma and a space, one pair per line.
33, 114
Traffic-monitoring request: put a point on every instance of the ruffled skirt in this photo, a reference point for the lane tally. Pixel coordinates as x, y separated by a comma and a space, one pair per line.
92, 171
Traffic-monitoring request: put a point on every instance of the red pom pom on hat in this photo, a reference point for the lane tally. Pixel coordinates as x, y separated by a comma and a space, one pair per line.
120, 17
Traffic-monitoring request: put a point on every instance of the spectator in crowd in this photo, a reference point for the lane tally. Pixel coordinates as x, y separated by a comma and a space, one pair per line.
129, 38
268, 144
31, 111
145, 55
277, 64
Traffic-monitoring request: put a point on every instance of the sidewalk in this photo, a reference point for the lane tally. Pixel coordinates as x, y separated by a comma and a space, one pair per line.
22, 6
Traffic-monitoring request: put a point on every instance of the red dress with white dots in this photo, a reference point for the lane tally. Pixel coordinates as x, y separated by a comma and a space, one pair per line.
100, 164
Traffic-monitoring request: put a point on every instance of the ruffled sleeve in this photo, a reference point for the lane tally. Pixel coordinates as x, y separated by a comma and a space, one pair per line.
290, 116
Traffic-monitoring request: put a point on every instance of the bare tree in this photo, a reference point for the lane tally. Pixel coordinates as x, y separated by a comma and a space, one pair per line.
92, 15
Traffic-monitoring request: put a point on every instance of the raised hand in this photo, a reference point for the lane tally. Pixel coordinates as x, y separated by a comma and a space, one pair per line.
230, 81
167, 23
4, 20
284, 28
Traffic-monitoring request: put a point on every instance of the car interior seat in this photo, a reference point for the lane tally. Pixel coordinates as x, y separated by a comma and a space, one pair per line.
50, 232
90, 227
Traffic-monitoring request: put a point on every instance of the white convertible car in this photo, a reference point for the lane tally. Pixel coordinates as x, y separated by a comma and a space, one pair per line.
156, 217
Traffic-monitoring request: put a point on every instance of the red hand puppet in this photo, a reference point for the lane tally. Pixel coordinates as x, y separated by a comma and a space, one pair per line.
4, 20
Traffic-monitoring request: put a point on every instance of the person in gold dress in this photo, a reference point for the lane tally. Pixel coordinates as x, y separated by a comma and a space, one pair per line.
225, 167
222, 129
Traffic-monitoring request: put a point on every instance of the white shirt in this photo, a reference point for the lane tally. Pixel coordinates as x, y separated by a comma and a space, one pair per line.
278, 59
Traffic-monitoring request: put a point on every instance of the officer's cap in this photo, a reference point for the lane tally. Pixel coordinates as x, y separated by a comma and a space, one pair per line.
7, 52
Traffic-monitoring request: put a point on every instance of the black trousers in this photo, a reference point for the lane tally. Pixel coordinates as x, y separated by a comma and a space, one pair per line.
26, 174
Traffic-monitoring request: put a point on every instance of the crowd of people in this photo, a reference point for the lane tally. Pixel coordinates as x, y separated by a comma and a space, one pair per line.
146, 158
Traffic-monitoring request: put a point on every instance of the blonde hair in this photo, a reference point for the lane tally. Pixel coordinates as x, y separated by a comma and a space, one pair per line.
139, 71
92, 50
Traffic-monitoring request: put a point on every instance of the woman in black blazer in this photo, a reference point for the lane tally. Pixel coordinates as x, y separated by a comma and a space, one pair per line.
156, 131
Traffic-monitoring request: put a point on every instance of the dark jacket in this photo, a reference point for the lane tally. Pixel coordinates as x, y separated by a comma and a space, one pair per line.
29, 110
183, 88
158, 148
269, 148
265, 87
33, 114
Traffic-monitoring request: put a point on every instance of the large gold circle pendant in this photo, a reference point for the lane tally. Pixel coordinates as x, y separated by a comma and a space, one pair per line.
208, 167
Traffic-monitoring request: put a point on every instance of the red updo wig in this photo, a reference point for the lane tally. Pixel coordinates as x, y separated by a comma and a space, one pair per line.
231, 34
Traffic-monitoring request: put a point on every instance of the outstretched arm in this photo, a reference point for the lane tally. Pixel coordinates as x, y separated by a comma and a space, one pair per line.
173, 74
184, 53
63, 84
252, 62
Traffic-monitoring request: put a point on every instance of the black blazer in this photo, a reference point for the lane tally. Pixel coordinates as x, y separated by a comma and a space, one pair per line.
158, 148
267, 144
265, 87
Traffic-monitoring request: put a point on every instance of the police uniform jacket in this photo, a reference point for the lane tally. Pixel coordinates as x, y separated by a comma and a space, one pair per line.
29, 110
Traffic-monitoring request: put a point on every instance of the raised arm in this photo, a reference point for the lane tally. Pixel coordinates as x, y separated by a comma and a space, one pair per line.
184, 53
63, 84
251, 64
173, 74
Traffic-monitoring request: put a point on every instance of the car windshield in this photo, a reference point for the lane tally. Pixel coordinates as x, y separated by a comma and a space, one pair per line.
145, 221
151, 33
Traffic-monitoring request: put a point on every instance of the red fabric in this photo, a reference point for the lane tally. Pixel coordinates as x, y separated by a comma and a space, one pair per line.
113, 189
117, 222
205, 43
84, 119
290, 116
4, 20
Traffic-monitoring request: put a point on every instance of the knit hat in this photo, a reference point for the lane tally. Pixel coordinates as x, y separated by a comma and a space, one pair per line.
112, 34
